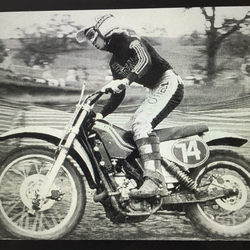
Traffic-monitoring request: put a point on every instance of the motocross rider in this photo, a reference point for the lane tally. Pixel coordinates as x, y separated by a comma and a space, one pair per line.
135, 60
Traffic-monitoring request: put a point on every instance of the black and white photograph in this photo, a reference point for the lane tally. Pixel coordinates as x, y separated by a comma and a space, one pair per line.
125, 124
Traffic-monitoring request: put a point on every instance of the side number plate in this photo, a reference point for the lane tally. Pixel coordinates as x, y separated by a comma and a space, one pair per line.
190, 152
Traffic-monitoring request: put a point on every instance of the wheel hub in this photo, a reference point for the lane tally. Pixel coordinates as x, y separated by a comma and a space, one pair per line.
29, 188
233, 202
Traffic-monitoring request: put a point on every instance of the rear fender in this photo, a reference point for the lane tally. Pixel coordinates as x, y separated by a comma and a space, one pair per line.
193, 151
223, 139
54, 136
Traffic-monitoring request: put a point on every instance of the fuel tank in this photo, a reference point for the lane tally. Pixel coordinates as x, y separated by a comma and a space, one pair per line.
117, 141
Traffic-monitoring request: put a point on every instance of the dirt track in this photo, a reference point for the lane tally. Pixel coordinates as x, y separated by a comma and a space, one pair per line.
163, 225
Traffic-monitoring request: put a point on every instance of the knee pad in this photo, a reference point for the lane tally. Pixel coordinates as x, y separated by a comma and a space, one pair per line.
141, 130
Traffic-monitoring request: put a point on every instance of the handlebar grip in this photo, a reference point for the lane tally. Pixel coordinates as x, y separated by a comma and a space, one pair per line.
121, 87
108, 90
98, 96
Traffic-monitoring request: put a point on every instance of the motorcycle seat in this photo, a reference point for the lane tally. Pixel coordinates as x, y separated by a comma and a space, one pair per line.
178, 132
171, 133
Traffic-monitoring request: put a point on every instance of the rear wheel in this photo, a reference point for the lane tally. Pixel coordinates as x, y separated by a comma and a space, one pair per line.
225, 217
21, 174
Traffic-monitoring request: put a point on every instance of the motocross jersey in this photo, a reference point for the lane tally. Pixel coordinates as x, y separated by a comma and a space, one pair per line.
136, 59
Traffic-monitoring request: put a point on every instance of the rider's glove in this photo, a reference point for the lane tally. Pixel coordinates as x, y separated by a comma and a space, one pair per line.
117, 86
91, 114
94, 116
98, 116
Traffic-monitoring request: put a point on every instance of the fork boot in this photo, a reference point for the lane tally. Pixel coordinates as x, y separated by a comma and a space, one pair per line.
154, 183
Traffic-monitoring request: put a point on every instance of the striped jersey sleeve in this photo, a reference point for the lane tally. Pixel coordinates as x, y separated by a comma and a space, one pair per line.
142, 58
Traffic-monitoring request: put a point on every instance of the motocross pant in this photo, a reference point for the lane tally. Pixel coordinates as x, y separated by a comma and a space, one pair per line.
162, 99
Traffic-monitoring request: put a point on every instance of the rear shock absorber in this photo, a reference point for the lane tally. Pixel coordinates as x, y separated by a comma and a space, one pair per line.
177, 172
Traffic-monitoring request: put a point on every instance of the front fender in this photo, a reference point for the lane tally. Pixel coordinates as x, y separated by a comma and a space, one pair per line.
54, 136
223, 139
37, 132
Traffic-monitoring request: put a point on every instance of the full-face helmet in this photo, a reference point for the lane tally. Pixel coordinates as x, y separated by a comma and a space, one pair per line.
103, 27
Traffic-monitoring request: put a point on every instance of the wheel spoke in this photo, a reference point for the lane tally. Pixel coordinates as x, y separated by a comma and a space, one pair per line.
18, 172
228, 214
19, 216
34, 227
38, 169
53, 218
22, 219
40, 224
233, 219
23, 174
11, 208
47, 223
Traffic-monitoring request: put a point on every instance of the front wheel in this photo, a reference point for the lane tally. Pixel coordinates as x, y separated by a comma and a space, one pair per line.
21, 175
225, 217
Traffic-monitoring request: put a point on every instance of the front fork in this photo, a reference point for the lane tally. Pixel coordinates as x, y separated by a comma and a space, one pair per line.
43, 193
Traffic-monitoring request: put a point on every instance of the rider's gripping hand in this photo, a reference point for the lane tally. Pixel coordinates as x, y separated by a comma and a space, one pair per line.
117, 86
94, 116
98, 116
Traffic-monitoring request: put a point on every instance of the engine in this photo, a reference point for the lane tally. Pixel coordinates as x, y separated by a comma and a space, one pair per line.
124, 185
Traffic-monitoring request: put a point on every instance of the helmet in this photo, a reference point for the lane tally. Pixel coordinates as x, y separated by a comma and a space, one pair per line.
106, 24
103, 26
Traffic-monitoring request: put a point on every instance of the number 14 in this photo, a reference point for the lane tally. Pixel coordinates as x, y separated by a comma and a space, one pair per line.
189, 150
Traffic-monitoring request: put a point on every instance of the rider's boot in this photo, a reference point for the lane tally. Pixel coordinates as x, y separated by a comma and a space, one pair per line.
154, 183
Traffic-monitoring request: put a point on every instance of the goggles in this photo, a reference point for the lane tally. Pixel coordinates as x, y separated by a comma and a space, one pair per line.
91, 34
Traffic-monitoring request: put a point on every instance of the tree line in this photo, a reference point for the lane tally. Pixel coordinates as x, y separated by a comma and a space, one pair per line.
43, 44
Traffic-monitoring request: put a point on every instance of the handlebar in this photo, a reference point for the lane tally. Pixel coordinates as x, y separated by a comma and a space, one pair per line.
79, 107
98, 94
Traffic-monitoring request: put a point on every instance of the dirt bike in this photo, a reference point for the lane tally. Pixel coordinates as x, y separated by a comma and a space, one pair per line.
42, 188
